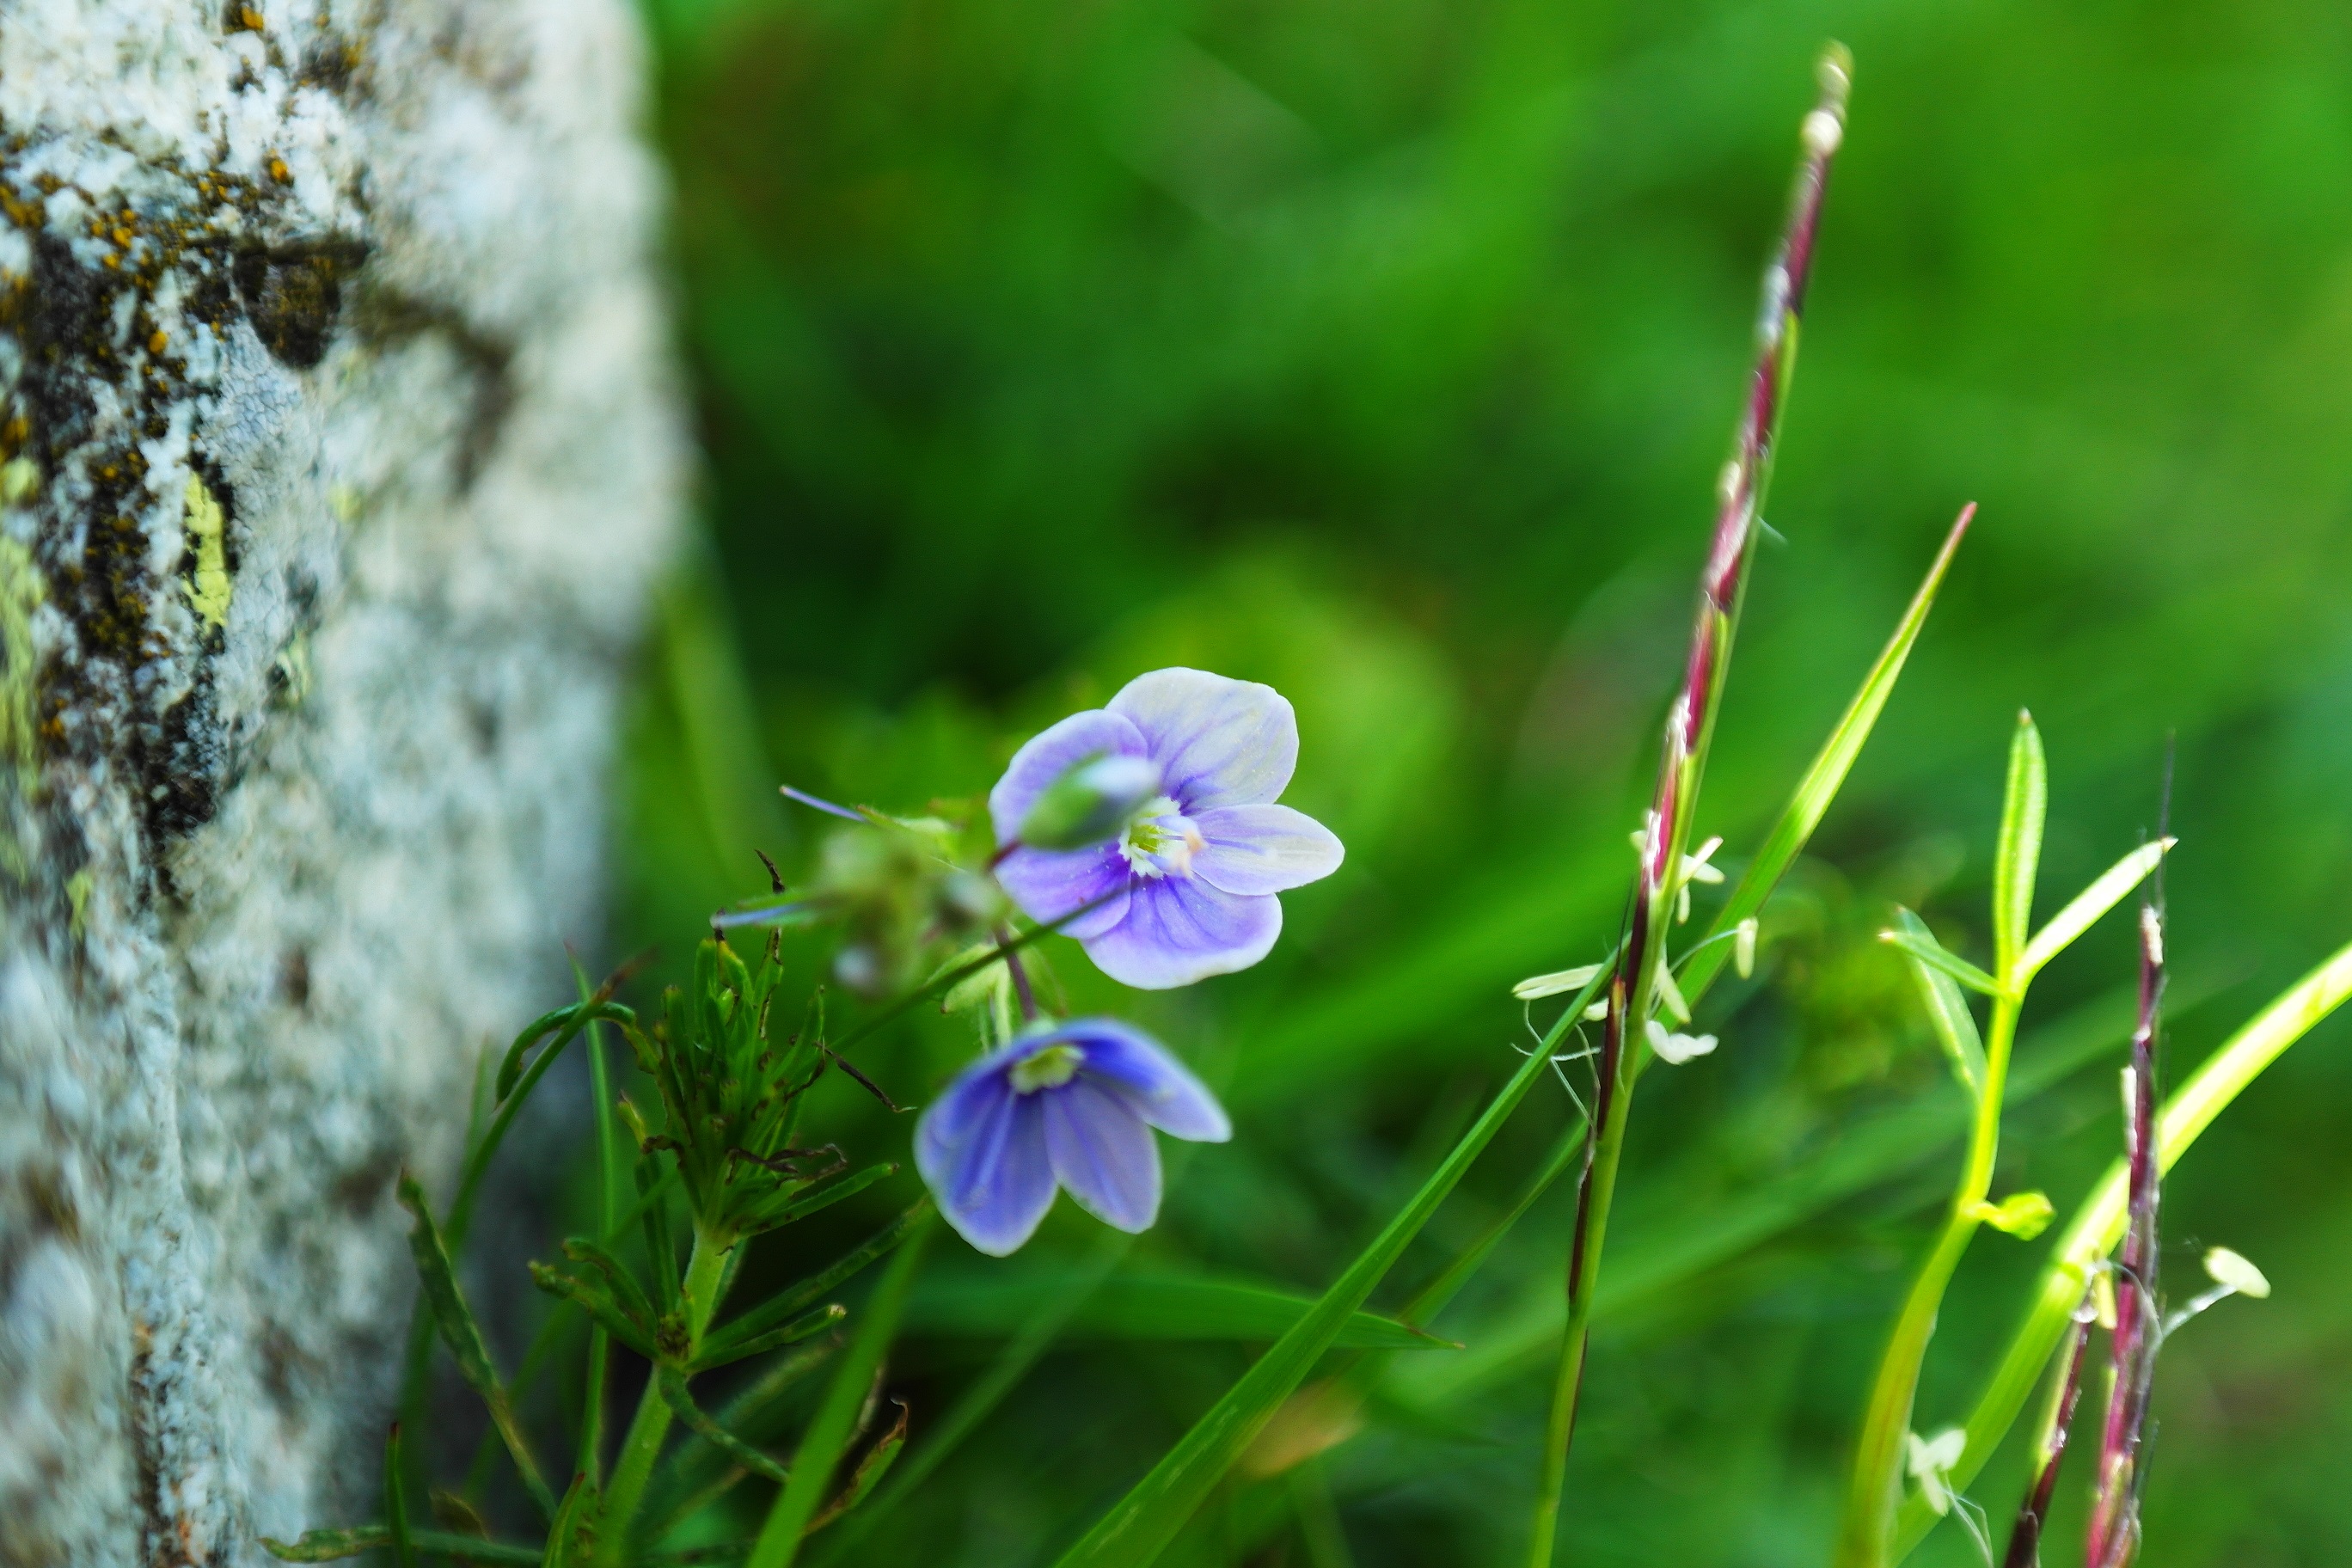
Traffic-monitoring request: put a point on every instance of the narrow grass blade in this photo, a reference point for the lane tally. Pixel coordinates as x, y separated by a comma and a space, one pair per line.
397, 1536
792, 1330
1948, 1010
681, 1402
2114, 885
598, 1304
1160, 1305
829, 1432
1141, 1524
797, 1298
1920, 944
809, 1201
1828, 772
2017, 855
2098, 1225
1702, 1226
464, 1337
869, 1471
330, 1545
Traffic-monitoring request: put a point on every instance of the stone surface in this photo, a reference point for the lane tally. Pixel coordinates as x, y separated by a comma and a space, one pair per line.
340, 448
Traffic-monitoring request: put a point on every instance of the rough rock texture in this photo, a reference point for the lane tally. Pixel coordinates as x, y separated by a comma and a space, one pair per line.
337, 448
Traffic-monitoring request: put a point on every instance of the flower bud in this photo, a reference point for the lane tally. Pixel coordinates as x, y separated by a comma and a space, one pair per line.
2231, 1269
1090, 802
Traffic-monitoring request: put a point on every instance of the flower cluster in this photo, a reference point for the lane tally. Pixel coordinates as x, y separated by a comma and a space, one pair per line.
1149, 830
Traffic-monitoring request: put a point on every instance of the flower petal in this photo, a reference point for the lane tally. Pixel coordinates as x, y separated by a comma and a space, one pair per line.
1263, 848
1218, 742
1180, 929
981, 1150
1162, 1090
1103, 1153
1050, 754
1049, 884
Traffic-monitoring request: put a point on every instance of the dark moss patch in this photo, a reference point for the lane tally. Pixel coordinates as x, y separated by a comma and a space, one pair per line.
294, 293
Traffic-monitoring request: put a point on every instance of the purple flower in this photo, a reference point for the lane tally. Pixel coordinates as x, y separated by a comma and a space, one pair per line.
1070, 1103
1186, 888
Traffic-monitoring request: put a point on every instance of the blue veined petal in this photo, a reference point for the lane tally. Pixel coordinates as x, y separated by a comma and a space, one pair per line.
1162, 1090
1049, 884
1180, 929
1218, 742
1102, 1153
1263, 848
981, 1150
1048, 756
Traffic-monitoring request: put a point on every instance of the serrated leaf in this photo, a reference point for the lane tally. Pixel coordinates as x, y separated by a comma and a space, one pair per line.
1826, 775
2017, 855
1160, 1305
2113, 886
1948, 1010
1918, 943
459, 1332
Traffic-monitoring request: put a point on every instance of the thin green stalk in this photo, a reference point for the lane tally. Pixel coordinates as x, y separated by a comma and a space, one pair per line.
829, 1431
1878, 1459
591, 1406
1601, 1178
2098, 1225
642, 1445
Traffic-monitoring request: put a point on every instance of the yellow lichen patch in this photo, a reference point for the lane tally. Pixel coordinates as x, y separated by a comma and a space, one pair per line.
21, 592
208, 590
279, 171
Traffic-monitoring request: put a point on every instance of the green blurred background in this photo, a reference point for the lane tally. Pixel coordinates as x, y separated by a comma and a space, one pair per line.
1386, 351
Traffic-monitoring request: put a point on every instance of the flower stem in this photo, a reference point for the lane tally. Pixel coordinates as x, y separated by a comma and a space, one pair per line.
1865, 1540
642, 1444
1599, 1186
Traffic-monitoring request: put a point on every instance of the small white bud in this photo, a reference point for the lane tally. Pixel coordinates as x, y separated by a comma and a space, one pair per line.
1824, 132
1743, 947
1931, 1461
2151, 933
1670, 995
1596, 1013
2231, 1269
1675, 1049
1535, 987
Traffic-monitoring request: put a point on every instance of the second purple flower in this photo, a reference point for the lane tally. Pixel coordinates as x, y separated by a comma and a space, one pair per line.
1186, 887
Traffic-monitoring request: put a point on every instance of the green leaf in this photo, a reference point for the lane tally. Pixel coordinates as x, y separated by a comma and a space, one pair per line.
328, 1545
674, 1393
1827, 774
464, 1336
1163, 1305
836, 1417
1920, 944
565, 1022
810, 1200
1141, 1523
626, 1292
2017, 855
812, 1323
1696, 1226
778, 1308
572, 1539
2098, 1225
395, 1504
1948, 1010
598, 1304
2021, 1215
869, 1472
2111, 888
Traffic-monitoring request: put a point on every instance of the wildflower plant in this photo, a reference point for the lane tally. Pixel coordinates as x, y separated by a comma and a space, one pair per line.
1151, 832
